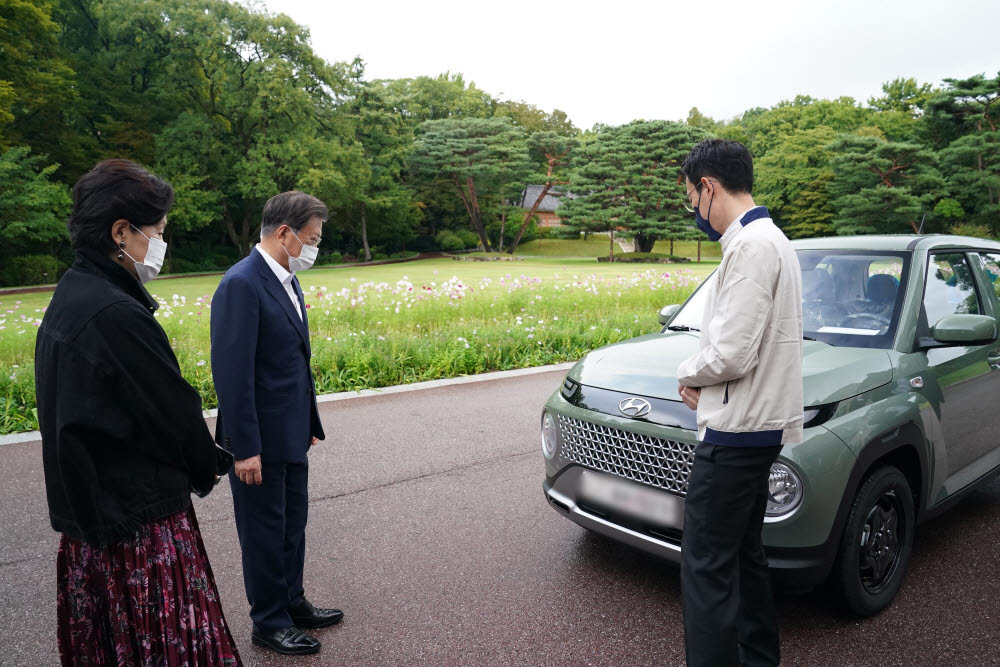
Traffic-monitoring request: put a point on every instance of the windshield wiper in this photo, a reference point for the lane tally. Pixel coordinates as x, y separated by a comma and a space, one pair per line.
807, 338
680, 327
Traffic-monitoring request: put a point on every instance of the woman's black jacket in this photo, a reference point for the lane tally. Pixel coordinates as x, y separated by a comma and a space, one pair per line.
124, 441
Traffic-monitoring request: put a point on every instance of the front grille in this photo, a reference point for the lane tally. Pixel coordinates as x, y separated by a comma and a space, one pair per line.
664, 464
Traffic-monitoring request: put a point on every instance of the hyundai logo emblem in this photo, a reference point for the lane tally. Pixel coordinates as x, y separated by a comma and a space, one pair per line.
634, 407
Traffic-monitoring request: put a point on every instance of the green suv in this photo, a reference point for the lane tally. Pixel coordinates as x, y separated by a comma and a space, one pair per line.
901, 378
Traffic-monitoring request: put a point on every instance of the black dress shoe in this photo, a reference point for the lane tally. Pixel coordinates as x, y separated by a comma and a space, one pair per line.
290, 641
304, 615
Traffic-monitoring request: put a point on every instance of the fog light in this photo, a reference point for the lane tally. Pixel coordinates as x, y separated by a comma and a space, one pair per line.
784, 491
549, 435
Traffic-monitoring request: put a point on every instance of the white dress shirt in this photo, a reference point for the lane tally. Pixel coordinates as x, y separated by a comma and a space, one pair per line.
284, 277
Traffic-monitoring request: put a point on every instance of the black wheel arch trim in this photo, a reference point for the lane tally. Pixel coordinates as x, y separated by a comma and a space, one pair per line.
822, 557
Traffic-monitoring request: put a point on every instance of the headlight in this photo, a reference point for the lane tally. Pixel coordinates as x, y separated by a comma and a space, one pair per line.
549, 435
784, 491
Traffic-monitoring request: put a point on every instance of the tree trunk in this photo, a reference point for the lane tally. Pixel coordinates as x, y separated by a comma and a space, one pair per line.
528, 216
364, 232
503, 223
230, 225
477, 219
246, 245
699, 251
644, 243
611, 235
671, 247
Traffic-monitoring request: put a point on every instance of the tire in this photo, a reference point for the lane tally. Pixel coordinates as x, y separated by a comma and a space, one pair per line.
877, 542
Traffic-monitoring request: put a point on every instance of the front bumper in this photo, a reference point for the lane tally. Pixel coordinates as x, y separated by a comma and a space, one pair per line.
795, 568
567, 493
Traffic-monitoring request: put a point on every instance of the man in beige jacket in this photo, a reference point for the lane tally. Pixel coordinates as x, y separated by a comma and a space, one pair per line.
745, 381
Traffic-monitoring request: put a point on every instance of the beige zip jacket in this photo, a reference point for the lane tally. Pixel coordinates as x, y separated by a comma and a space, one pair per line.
749, 363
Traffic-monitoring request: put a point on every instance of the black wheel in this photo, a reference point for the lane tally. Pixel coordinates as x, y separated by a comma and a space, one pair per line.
877, 542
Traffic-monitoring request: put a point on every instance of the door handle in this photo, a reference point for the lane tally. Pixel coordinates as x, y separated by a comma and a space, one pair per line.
994, 360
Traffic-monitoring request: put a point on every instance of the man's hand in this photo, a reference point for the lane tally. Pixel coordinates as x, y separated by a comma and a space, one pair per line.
690, 396
314, 441
248, 470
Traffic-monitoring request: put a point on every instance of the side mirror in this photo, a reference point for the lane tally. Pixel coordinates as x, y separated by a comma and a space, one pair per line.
667, 312
962, 330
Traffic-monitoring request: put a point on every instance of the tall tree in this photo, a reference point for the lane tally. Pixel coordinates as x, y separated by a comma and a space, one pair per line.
34, 74
385, 142
963, 120
905, 95
554, 152
254, 109
434, 98
782, 175
629, 175
480, 157
33, 208
882, 186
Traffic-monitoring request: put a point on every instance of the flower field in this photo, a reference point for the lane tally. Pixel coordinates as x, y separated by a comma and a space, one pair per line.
369, 334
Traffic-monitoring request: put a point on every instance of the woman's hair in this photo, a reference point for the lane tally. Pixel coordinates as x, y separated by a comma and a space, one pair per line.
111, 191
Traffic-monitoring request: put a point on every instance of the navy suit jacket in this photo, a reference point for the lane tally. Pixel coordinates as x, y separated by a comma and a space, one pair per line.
260, 364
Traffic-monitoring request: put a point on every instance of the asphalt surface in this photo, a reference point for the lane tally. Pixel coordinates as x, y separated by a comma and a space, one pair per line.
428, 528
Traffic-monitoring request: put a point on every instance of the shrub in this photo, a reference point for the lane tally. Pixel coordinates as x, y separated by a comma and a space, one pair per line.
32, 270
450, 242
968, 229
652, 257
564, 233
469, 239
379, 256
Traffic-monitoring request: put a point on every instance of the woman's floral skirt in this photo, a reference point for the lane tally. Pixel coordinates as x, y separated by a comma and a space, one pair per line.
150, 600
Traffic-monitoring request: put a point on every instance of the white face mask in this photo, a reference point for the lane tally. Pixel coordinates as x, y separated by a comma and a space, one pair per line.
151, 264
305, 258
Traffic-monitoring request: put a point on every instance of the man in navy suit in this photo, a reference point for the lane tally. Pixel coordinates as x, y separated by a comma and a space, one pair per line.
269, 419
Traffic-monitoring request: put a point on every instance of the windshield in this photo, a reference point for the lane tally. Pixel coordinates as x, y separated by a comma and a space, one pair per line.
849, 298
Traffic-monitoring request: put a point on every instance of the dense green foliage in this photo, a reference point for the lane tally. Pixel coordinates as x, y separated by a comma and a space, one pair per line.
231, 104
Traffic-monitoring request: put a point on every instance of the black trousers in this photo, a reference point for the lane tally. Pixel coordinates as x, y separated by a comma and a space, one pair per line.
729, 616
271, 523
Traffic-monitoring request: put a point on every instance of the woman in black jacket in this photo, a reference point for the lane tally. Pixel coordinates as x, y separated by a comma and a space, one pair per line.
124, 444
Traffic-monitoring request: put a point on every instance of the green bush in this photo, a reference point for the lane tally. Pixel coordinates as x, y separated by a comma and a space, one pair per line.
968, 229
32, 270
653, 257
469, 239
335, 258
379, 256
562, 233
450, 242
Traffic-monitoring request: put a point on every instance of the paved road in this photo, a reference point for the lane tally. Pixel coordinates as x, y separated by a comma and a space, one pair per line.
428, 527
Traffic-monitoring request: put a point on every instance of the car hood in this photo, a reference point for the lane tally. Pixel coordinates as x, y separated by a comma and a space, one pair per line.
647, 366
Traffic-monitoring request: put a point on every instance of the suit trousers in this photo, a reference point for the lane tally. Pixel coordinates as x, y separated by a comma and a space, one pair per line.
729, 617
271, 524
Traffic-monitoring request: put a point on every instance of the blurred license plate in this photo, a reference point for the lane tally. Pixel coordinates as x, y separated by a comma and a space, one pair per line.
631, 500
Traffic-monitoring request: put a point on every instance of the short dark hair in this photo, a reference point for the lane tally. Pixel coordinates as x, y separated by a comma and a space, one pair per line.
294, 209
115, 190
728, 161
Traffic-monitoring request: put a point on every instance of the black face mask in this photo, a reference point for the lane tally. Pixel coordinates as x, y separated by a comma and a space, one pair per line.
702, 223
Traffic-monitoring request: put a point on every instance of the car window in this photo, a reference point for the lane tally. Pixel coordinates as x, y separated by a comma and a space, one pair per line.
849, 298
991, 267
950, 288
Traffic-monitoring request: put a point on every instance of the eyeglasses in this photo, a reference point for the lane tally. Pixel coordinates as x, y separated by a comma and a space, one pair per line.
688, 206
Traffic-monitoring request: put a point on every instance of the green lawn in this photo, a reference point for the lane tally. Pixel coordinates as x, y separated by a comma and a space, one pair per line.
377, 326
